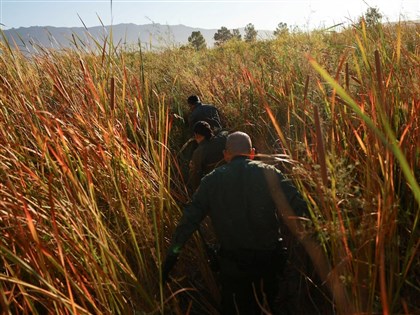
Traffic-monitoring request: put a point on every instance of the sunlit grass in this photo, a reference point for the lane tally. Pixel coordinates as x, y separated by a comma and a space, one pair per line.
90, 187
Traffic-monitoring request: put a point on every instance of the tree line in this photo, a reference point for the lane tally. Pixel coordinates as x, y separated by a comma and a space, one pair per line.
223, 35
196, 39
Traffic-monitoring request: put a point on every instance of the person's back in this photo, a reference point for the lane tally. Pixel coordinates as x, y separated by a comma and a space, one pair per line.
203, 112
243, 214
208, 155
214, 151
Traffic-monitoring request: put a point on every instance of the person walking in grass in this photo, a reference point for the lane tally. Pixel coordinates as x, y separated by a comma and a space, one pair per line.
203, 112
198, 112
245, 200
208, 155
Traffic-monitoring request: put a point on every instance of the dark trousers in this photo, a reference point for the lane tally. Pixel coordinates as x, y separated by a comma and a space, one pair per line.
249, 283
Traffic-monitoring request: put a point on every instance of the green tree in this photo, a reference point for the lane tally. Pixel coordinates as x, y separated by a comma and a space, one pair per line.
197, 41
222, 36
281, 29
372, 17
250, 33
236, 34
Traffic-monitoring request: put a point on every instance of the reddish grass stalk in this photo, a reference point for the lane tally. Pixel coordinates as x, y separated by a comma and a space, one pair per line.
380, 258
320, 147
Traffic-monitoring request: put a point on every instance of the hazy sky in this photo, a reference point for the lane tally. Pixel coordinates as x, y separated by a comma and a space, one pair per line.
265, 15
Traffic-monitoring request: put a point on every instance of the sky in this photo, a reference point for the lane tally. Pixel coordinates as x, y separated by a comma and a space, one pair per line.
207, 14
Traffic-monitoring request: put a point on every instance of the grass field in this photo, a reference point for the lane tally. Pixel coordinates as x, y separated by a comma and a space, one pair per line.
90, 184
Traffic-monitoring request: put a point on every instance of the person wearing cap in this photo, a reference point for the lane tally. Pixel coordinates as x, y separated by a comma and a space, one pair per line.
245, 200
208, 155
203, 112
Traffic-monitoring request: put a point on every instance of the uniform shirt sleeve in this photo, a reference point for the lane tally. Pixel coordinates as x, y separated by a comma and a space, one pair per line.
193, 214
294, 198
276, 181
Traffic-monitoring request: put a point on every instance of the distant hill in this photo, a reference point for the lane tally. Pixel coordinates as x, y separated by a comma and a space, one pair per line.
150, 35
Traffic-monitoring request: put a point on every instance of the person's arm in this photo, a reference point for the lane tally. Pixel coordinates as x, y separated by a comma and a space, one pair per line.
189, 223
193, 214
294, 198
222, 119
277, 181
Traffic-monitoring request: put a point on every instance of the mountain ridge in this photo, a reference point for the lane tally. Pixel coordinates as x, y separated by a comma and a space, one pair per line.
153, 35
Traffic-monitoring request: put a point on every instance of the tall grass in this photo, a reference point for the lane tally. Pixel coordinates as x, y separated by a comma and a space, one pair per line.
91, 186
83, 202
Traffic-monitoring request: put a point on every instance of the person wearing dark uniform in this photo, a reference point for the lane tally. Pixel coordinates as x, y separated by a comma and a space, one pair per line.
245, 200
208, 155
198, 112
203, 112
